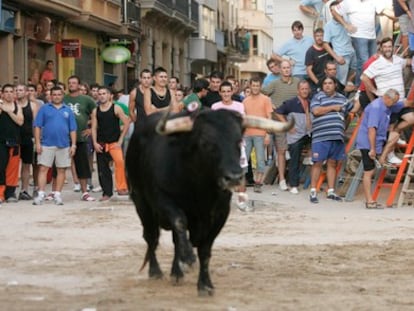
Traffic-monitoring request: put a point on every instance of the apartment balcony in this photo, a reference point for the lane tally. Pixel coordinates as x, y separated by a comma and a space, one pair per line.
176, 14
255, 64
237, 47
201, 49
131, 19
102, 15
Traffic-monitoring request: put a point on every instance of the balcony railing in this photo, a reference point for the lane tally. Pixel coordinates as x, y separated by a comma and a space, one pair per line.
132, 12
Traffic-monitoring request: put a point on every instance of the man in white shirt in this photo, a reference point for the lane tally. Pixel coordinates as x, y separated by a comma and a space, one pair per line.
361, 27
387, 72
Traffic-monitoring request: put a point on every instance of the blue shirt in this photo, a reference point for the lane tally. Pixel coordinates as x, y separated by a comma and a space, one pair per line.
269, 78
293, 108
56, 125
336, 34
296, 49
376, 115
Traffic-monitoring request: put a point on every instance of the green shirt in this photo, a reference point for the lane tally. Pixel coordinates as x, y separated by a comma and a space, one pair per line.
82, 106
190, 101
124, 109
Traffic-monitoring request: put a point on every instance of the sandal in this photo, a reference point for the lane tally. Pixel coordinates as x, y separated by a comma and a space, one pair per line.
373, 205
87, 197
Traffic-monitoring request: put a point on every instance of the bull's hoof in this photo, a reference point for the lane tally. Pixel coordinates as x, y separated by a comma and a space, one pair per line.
185, 267
206, 291
155, 275
177, 280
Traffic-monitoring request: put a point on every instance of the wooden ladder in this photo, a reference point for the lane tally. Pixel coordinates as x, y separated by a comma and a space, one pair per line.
406, 194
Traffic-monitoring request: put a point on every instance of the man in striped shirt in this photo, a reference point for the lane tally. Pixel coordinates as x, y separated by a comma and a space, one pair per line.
328, 128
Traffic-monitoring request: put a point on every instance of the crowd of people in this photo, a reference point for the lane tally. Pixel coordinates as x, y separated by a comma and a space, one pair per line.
345, 69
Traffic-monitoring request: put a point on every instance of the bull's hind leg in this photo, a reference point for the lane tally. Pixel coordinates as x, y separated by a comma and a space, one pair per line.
205, 286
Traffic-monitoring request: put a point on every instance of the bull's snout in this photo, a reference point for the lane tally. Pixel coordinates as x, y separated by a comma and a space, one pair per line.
231, 180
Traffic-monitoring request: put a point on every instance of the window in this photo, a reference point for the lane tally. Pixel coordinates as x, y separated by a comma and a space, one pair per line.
208, 24
255, 45
85, 67
7, 19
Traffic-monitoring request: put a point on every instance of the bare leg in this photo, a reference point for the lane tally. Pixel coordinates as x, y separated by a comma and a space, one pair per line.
42, 176
366, 182
389, 146
60, 178
25, 176
315, 173
331, 173
281, 164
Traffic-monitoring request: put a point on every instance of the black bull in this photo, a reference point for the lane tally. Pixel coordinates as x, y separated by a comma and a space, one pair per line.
182, 182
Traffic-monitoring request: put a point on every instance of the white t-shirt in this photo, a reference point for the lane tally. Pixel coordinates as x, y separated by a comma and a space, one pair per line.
387, 75
362, 15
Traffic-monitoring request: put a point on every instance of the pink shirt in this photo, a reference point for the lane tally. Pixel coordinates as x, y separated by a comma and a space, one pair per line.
235, 106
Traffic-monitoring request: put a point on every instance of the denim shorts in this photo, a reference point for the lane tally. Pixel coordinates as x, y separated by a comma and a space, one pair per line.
330, 149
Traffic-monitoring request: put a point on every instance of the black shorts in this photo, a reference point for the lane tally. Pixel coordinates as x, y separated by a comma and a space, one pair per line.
81, 161
26, 152
397, 117
368, 163
364, 99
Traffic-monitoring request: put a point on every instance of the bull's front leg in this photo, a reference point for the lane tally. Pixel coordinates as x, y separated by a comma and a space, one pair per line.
183, 247
205, 286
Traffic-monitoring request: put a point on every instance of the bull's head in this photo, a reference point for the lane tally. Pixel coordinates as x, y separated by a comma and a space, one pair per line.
216, 138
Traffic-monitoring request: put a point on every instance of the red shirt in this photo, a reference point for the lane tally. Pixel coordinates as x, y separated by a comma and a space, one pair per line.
370, 60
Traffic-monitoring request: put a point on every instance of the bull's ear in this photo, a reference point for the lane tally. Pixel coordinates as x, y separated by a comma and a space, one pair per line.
177, 125
268, 124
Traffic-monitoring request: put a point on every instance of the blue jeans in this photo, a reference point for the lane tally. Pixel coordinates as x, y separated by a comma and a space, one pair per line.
342, 71
364, 49
295, 152
258, 143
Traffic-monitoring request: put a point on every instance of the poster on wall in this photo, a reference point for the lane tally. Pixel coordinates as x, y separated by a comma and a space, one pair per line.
71, 48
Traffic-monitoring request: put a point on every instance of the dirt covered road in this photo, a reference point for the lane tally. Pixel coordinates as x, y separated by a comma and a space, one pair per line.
287, 255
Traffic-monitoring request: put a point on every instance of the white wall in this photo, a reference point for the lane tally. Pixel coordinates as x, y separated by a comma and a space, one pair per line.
285, 12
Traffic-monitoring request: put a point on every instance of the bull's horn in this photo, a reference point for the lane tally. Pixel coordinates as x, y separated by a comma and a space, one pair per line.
268, 124
182, 124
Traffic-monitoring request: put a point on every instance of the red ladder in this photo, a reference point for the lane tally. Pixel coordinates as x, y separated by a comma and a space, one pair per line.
401, 169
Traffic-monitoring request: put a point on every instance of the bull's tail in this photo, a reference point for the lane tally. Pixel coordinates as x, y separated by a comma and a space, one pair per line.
146, 259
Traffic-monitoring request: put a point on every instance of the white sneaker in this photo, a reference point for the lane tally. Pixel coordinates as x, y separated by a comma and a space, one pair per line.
282, 185
58, 200
401, 142
97, 189
294, 190
244, 207
393, 159
307, 161
38, 200
77, 188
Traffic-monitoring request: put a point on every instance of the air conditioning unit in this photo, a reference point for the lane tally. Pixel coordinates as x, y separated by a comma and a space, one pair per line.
42, 28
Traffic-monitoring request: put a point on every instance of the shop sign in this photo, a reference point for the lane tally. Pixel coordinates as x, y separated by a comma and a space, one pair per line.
116, 54
71, 48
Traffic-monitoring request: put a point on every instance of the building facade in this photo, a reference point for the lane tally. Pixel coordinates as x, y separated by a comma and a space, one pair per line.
189, 38
34, 31
254, 19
